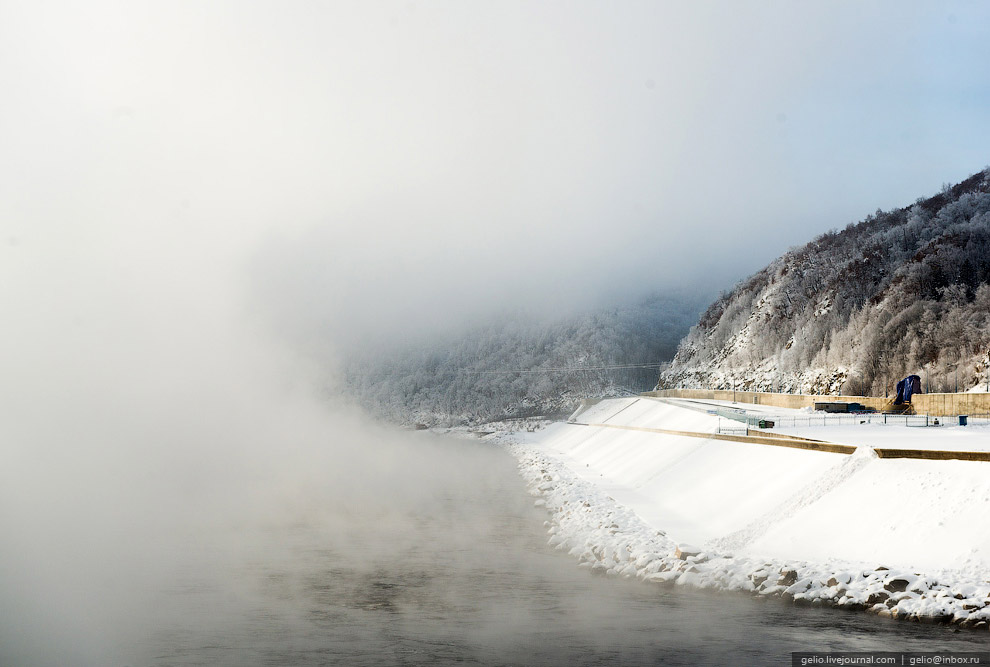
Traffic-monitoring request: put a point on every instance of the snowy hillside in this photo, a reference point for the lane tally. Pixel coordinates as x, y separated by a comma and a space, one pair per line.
903, 291
519, 366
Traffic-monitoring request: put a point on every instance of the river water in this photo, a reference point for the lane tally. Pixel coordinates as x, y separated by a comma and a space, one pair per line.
446, 562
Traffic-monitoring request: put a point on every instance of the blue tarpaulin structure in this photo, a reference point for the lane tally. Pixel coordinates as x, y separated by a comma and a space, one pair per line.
906, 388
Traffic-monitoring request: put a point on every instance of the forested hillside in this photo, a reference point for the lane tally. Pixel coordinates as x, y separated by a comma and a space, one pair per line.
903, 291
518, 367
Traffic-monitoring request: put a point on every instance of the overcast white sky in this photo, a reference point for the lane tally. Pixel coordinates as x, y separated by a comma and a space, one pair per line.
372, 161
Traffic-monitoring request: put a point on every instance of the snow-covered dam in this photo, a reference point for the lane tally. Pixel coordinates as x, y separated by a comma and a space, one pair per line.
636, 488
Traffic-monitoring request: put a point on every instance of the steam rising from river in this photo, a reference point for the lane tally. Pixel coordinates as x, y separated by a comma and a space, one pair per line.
155, 436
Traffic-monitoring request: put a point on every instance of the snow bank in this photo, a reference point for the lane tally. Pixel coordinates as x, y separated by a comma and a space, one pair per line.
903, 538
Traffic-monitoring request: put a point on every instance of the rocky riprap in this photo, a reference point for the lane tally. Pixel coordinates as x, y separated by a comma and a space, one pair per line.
610, 539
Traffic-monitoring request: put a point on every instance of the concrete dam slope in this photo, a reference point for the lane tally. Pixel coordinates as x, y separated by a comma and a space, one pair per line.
650, 488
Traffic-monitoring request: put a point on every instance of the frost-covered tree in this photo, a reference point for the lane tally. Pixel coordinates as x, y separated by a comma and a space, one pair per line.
518, 366
903, 291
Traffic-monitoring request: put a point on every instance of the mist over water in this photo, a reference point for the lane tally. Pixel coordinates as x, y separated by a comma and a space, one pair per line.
435, 556
448, 567
146, 419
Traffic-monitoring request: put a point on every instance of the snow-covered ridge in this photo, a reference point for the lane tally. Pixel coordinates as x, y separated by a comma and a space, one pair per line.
902, 292
518, 365
906, 539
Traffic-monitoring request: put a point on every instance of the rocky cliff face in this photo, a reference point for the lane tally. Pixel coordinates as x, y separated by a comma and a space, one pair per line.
904, 291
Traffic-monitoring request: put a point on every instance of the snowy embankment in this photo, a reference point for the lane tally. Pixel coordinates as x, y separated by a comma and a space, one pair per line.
904, 538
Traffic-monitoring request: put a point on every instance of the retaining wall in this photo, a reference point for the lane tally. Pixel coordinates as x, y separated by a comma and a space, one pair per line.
930, 404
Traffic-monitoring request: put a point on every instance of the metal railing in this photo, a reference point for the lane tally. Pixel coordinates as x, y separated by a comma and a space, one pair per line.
829, 419
825, 419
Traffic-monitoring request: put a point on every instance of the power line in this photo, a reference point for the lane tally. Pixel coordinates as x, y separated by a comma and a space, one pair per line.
569, 369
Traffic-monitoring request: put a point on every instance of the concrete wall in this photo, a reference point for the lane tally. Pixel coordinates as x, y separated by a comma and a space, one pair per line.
951, 404
930, 404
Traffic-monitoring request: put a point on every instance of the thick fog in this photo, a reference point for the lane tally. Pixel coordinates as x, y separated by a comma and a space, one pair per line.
188, 189
437, 159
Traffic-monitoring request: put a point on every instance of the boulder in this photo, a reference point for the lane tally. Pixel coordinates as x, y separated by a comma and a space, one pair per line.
877, 598
684, 551
787, 578
900, 614
898, 585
